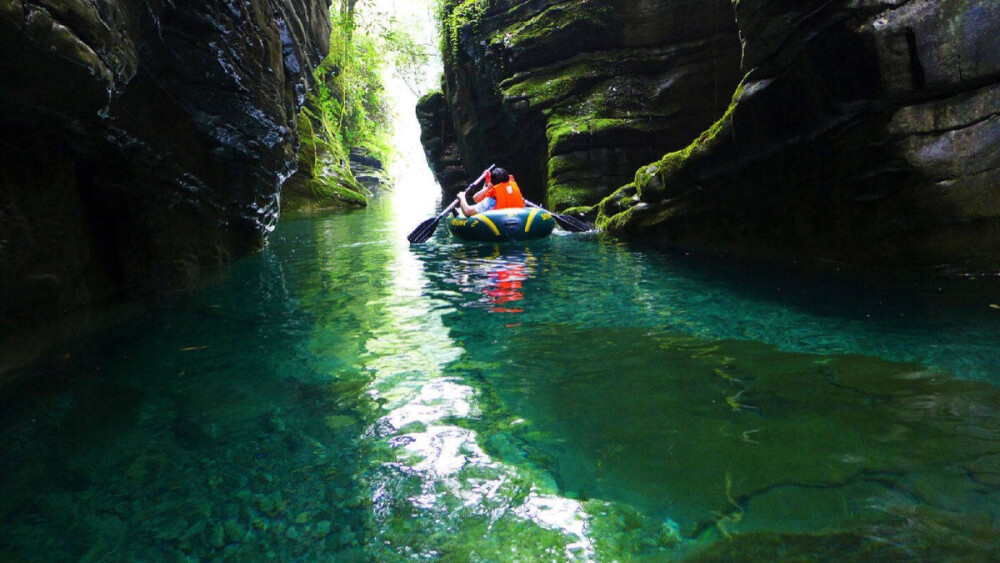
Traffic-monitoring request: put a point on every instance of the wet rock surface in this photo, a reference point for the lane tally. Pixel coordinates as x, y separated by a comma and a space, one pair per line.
143, 143
437, 135
863, 132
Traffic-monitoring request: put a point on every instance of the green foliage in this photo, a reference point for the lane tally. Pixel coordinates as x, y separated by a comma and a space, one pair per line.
349, 99
407, 45
349, 105
324, 179
453, 15
346, 109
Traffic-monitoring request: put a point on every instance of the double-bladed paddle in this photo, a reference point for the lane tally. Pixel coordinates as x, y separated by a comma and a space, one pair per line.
426, 229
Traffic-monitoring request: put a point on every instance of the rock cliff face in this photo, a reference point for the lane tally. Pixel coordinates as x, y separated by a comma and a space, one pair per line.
143, 141
573, 96
437, 135
865, 131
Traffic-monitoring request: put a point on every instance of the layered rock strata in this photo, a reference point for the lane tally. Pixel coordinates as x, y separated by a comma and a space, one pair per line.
865, 132
143, 142
571, 96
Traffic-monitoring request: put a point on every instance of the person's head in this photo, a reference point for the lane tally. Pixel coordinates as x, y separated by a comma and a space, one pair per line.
499, 176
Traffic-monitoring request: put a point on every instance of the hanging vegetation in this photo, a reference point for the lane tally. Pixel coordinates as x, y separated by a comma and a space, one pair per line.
347, 112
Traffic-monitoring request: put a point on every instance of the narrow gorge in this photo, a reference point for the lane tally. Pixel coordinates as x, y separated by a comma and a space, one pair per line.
246, 313
857, 131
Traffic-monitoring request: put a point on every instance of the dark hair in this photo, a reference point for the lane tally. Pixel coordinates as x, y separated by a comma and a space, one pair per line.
499, 176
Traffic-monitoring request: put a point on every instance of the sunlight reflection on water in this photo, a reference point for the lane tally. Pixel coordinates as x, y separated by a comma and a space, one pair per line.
424, 408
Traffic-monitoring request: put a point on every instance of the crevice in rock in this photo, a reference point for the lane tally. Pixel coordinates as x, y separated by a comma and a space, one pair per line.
917, 76
944, 130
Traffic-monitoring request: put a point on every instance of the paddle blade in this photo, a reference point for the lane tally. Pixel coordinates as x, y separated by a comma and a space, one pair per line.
567, 222
424, 230
571, 224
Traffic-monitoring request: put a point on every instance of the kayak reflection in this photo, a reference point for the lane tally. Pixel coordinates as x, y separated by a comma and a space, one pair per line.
497, 275
506, 286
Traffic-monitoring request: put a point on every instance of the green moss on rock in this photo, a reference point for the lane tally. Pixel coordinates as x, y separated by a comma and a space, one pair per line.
307, 143
565, 195
324, 179
456, 15
577, 95
321, 193
556, 20
653, 182
572, 132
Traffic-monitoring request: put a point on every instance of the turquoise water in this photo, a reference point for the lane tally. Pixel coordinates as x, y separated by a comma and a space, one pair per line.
342, 396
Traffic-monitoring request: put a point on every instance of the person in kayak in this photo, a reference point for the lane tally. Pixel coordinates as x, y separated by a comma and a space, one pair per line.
500, 191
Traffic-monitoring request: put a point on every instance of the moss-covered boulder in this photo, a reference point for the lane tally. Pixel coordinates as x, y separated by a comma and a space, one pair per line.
368, 170
572, 97
324, 179
863, 132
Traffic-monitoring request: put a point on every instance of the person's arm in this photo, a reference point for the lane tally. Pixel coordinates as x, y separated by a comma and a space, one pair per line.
467, 210
487, 186
478, 196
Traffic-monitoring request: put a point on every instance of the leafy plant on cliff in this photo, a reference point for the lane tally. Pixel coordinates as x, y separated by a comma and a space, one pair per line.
348, 108
350, 89
345, 110
453, 15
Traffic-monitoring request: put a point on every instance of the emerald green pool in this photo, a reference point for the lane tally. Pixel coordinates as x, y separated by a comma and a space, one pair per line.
342, 396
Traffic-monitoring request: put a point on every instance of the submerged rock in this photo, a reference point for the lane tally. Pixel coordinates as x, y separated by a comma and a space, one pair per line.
786, 455
143, 142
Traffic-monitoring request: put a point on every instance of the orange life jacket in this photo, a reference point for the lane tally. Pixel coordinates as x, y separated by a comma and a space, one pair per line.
507, 194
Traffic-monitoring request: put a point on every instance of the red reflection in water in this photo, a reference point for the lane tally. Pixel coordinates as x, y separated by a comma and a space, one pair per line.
506, 284
495, 275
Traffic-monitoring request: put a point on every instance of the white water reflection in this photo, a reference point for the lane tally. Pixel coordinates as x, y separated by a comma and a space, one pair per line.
447, 482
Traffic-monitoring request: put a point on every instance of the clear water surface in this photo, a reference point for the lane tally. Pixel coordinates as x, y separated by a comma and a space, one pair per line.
342, 396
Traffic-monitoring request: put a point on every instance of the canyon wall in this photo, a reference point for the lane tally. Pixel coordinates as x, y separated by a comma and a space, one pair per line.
572, 97
143, 143
862, 131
